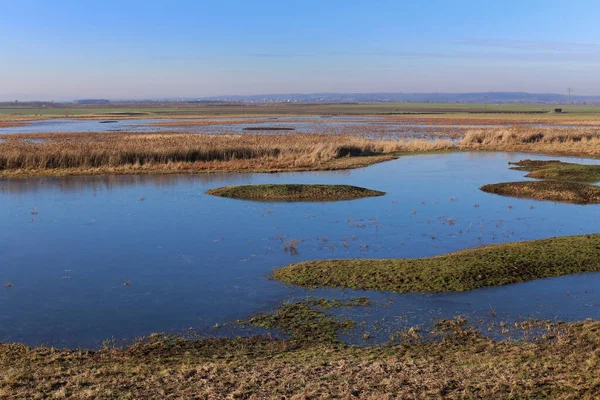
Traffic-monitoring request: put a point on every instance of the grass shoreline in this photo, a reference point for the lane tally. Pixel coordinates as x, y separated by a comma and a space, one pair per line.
223, 167
450, 360
469, 269
459, 363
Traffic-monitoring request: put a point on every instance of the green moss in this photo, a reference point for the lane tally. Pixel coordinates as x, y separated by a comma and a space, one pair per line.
290, 192
465, 270
567, 192
558, 170
335, 303
303, 323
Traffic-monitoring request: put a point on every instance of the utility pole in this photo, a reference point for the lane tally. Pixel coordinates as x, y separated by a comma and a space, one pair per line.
570, 92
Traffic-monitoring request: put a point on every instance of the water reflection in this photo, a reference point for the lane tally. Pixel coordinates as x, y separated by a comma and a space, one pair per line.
19, 186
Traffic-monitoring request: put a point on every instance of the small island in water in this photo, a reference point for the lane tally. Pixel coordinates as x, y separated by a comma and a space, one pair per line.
294, 192
566, 192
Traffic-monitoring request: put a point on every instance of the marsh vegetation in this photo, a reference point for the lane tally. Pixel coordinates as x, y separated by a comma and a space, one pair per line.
89, 153
555, 140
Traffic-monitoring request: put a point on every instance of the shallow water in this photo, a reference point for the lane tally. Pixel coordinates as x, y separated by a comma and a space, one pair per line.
365, 126
69, 245
78, 125
372, 127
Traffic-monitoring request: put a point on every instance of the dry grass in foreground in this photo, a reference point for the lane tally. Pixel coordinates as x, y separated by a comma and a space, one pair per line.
126, 153
462, 364
547, 140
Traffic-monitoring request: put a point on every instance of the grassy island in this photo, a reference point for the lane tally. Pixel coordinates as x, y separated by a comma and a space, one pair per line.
558, 170
291, 192
566, 192
465, 270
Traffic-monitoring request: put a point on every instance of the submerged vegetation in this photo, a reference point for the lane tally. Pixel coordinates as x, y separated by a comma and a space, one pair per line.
113, 153
465, 270
558, 170
567, 192
304, 324
291, 192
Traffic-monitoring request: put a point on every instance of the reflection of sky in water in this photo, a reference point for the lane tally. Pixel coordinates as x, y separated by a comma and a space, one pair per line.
194, 260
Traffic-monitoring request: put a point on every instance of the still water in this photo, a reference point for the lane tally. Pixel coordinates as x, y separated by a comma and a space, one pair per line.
91, 258
367, 126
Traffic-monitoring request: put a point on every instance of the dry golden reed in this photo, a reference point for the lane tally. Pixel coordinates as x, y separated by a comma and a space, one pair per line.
176, 151
550, 140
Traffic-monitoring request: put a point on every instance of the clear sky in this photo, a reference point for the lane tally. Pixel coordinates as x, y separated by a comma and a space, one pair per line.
65, 49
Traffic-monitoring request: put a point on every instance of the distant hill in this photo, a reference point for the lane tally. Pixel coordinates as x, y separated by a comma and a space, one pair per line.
489, 97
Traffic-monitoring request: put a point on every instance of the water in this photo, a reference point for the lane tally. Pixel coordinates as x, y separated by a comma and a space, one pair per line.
69, 245
371, 127
365, 126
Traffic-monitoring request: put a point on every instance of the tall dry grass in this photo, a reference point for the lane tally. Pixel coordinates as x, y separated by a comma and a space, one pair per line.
191, 151
550, 140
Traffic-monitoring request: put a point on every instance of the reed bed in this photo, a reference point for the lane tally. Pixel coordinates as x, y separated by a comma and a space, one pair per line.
549, 140
152, 152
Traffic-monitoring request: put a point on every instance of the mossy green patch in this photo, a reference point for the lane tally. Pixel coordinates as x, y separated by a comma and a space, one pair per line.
465, 270
558, 170
305, 324
292, 192
566, 192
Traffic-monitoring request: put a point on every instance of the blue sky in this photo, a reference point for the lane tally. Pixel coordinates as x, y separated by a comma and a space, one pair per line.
140, 49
